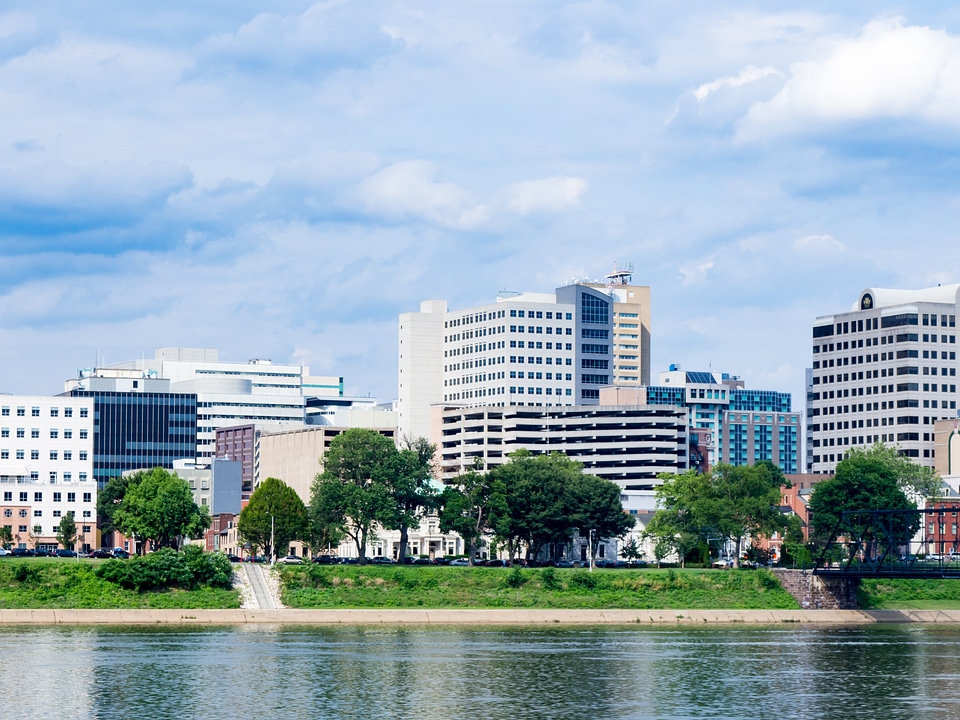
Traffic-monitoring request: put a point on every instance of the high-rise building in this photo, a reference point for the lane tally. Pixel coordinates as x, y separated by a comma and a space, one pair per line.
732, 424
524, 349
234, 393
46, 469
884, 371
138, 422
631, 326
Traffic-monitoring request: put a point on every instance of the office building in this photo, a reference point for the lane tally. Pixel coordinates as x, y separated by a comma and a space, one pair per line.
47, 469
524, 349
138, 421
732, 424
631, 326
884, 371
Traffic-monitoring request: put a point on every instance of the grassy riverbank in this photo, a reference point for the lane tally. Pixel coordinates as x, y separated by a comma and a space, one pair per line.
909, 595
375, 586
67, 584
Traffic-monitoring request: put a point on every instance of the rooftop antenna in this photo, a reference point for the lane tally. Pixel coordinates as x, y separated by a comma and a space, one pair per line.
621, 275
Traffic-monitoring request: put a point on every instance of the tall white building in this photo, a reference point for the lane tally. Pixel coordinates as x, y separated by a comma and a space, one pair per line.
46, 468
524, 349
884, 371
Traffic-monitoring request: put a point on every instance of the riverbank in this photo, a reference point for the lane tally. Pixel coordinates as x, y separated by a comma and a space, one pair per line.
471, 617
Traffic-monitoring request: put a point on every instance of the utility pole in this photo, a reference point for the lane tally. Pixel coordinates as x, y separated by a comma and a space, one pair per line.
590, 549
273, 550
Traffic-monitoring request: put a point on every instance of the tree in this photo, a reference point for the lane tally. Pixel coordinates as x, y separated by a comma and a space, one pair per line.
594, 504
865, 480
468, 505
730, 501
914, 480
6, 536
273, 497
67, 531
353, 493
158, 507
409, 486
109, 499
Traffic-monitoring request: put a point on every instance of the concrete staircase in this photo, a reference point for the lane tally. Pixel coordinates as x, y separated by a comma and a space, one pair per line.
816, 593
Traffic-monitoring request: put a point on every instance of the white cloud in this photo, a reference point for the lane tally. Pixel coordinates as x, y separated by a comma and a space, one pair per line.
552, 194
748, 74
696, 271
409, 190
890, 71
819, 245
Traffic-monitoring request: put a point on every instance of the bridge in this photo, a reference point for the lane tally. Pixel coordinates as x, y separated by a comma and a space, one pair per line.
877, 543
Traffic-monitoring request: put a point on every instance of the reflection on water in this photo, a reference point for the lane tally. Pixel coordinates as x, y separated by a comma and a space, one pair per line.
452, 673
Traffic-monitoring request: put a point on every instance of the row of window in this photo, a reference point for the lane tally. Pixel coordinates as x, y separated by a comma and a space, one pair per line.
35, 454
539, 345
39, 530
38, 496
884, 357
35, 411
35, 433
39, 513
539, 391
884, 372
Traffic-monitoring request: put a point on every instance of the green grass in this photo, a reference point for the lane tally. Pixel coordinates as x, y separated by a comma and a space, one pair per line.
909, 594
67, 584
455, 587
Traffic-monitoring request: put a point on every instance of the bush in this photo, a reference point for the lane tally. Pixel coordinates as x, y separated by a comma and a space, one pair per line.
26, 572
548, 578
167, 568
516, 578
583, 579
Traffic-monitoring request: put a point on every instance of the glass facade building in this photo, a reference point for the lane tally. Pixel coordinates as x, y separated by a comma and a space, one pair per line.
133, 430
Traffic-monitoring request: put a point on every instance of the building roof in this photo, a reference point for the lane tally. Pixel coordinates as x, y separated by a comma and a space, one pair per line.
886, 297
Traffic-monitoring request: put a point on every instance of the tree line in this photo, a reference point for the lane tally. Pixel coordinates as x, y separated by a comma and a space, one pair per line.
368, 484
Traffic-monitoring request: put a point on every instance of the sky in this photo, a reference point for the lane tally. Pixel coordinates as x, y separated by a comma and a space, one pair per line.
283, 183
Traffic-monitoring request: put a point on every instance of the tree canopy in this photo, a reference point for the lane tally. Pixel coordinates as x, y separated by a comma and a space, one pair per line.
67, 530
354, 493
289, 522
410, 489
158, 507
872, 479
729, 502
469, 505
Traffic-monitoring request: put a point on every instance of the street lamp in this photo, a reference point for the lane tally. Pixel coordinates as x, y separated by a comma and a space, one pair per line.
590, 548
273, 550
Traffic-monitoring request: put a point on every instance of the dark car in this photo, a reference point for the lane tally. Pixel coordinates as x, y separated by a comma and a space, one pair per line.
121, 554
42, 552
66, 553
564, 564
21, 552
496, 563
381, 560
350, 561
603, 563
441, 561
234, 558
326, 560
101, 554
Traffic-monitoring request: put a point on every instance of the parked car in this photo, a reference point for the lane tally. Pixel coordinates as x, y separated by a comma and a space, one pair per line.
497, 563
121, 554
604, 563
234, 558
933, 557
441, 561
43, 552
21, 552
101, 553
349, 561
460, 562
327, 560
291, 560
564, 564
723, 563
381, 560
4, 551
66, 553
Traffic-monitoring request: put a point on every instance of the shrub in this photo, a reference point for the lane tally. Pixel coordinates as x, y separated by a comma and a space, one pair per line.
516, 578
583, 579
548, 577
166, 568
26, 572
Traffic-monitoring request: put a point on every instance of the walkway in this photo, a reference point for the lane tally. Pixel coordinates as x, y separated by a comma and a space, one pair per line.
262, 596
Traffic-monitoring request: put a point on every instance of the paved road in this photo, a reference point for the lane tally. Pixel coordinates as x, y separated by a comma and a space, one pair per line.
258, 582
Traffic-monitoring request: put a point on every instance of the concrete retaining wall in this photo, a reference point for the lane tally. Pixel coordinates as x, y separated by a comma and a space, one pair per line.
469, 617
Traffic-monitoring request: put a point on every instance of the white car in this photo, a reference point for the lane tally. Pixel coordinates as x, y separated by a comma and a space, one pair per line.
3, 552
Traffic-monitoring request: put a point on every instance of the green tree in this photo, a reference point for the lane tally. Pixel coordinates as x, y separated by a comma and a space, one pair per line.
67, 530
409, 487
158, 507
6, 536
914, 480
631, 550
353, 493
273, 497
865, 480
594, 504
468, 505
730, 502
109, 499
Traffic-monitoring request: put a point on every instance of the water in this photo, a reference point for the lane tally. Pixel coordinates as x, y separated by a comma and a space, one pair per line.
446, 673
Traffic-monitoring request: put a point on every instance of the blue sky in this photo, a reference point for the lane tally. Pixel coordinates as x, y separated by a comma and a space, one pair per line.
283, 184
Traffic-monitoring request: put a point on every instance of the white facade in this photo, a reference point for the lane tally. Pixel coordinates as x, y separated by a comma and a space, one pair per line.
525, 349
233, 393
885, 371
46, 468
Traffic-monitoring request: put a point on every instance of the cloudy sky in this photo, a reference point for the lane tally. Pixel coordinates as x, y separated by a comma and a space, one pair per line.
283, 184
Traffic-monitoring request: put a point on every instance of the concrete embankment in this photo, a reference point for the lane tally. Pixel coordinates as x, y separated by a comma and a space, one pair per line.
473, 617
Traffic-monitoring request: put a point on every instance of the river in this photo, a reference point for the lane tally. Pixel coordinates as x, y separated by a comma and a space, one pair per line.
450, 673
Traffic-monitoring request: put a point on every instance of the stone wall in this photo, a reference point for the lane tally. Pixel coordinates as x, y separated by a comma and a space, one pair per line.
818, 593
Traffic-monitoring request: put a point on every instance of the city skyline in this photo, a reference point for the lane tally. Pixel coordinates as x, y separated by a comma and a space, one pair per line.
285, 185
